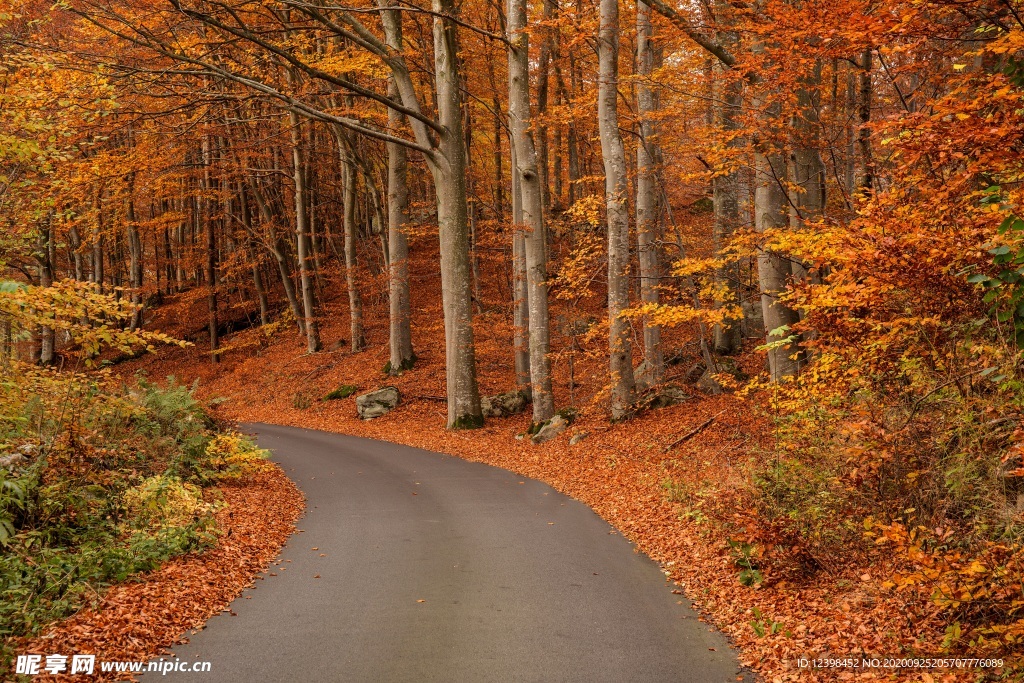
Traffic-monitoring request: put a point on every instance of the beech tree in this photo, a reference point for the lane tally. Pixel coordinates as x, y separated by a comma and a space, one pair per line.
614, 156
531, 203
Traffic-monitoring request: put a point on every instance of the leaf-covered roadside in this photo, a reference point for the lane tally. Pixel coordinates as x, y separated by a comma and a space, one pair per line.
257, 517
100, 483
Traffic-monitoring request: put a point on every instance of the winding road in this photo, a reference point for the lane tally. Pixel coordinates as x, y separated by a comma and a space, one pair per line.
415, 566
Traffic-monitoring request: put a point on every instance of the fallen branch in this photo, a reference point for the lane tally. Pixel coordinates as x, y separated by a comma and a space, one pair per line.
430, 398
692, 433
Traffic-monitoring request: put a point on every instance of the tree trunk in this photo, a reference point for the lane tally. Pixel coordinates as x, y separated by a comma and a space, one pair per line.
531, 191
774, 270
75, 244
543, 81
614, 156
211, 255
725, 189
453, 223
867, 174
647, 206
98, 243
520, 292
447, 163
257, 274
355, 300
808, 167
400, 311
134, 261
45, 257
302, 238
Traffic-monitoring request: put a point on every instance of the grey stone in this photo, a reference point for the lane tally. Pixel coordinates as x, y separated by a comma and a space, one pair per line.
550, 430
695, 372
503, 405
577, 437
11, 460
669, 396
726, 366
377, 403
643, 377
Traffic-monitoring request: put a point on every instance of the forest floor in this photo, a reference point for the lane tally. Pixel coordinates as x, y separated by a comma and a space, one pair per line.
628, 472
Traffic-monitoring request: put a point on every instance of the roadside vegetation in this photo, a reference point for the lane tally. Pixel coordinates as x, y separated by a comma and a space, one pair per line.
100, 480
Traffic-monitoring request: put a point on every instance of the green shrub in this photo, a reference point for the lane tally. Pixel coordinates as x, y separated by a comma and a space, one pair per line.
108, 488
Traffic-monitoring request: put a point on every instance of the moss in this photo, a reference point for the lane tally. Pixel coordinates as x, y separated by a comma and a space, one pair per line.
468, 422
344, 391
406, 364
568, 414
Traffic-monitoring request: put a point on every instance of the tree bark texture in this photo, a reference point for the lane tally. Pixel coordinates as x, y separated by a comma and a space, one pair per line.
533, 213
616, 188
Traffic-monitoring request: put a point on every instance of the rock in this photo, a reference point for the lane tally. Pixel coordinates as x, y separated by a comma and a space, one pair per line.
726, 366
503, 405
550, 430
694, 374
708, 384
520, 437
11, 460
28, 449
669, 396
643, 377
577, 437
377, 403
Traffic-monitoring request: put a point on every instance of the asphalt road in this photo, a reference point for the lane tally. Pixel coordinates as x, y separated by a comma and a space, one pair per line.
432, 568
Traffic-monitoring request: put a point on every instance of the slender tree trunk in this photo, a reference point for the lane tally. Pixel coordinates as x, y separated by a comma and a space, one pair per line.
400, 311
532, 207
520, 291
867, 174
75, 244
134, 260
498, 191
306, 275
572, 138
211, 255
279, 248
98, 244
453, 222
447, 164
257, 274
726, 193
616, 188
6, 341
543, 81
355, 300
774, 270
808, 167
648, 211
45, 257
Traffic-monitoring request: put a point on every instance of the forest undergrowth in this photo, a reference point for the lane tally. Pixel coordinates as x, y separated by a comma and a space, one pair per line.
103, 482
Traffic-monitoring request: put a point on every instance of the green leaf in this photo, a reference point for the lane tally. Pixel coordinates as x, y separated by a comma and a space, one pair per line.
10, 287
